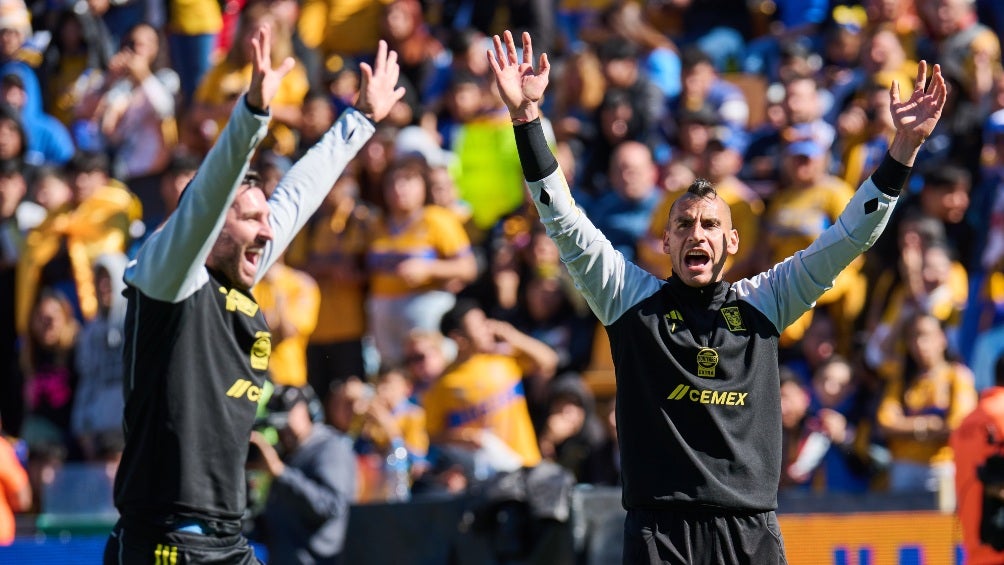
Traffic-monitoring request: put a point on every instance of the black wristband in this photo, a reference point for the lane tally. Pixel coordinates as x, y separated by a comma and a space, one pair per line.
253, 110
890, 176
534, 154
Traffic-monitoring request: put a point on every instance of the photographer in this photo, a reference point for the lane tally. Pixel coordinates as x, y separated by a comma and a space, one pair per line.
314, 481
978, 445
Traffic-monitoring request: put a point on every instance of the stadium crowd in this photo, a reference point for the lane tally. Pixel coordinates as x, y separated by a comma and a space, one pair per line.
423, 303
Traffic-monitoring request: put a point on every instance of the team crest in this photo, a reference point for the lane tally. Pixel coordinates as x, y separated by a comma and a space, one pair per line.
261, 351
733, 319
707, 361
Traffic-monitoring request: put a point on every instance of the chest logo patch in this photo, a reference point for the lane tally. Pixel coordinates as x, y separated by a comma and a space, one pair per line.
261, 351
675, 320
733, 319
707, 361
240, 302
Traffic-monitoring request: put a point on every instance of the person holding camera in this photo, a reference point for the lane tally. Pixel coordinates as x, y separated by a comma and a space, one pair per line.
978, 445
313, 482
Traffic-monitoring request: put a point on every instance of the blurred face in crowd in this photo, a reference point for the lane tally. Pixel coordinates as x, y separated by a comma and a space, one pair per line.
464, 101
11, 140
172, 185
144, 42
883, 52
947, 203
399, 19
239, 249
442, 189
832, 382
926, 341
49, 321
424, 358
697, 81
476, 330
633, 172
722, 162
52, 192
936, 267
794, 404
804, 170
699, 238
12, 191
86, 183
393, 388
318, 115
404, 190
298, 426
103, 288
13, 96
801, 101
10, 41
945, 17
620, 73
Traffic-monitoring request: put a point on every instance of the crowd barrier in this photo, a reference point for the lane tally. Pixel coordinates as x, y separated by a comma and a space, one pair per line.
872, 529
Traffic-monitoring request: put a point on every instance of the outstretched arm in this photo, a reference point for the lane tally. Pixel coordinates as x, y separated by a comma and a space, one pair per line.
791, 287
609, 284
171, 264
301, 191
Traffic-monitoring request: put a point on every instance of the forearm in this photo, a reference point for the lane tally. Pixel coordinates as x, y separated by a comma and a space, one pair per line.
535, 357
463, 267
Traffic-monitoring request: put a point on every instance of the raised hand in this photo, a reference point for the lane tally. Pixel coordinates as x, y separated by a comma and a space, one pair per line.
265, 80
916, 117
520, 87
378, 91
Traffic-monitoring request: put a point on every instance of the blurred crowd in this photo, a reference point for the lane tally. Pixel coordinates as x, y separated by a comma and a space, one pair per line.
423, 304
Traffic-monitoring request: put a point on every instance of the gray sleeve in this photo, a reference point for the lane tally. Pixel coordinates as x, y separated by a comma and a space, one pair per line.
609, 283
170, 265
790, 288
304, 187
328, 492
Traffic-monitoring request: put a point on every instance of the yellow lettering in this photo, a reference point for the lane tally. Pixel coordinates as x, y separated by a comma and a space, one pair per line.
254, 393
705, 396
718, 397
238, 388
731, 400
695, 395
741, 401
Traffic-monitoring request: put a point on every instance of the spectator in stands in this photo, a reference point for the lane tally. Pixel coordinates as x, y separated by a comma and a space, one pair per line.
223, 84
98, 402
313, 483
331, 249
50, 189
968, 50
425, 360
133, 108
415, 251
62, 250
406, 31
704, 88
571, 432
835, 450
50, 378
979, 474
15, 490
76, 57
795, 402
48, 140
478, 404
623, 211
348, 29
926, 397
861, 156
192, 27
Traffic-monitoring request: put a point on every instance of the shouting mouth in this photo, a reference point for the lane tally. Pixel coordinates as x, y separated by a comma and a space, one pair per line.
696, 259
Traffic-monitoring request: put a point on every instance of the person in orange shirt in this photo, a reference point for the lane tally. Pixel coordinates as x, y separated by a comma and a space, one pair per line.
978, 443
15, 491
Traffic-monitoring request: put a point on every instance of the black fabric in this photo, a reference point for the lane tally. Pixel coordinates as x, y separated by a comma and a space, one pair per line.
534, 154
891, 175
139, 546
722, 354
688, 537
194, 372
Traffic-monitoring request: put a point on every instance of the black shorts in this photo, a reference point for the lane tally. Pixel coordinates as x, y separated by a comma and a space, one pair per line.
698, 537
135, 546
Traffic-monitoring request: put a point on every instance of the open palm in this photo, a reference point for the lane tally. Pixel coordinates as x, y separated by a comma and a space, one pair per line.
519, 86
917, 116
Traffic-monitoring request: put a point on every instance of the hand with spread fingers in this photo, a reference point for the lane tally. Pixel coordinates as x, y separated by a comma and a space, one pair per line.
519, 85
378, 91
265, 80
916, 117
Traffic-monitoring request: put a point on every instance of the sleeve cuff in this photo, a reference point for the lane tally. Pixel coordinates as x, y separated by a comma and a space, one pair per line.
253, 110
891, 175
534, 155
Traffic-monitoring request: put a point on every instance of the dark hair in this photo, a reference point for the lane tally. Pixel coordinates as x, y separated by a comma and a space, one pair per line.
11, 168
618, 48
693, 56
947, 175
88, 162
700, 188
453, 320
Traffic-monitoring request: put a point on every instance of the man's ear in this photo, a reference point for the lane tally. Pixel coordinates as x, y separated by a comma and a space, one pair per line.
732, 241
665, 241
